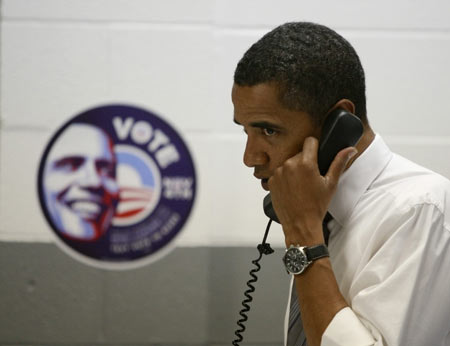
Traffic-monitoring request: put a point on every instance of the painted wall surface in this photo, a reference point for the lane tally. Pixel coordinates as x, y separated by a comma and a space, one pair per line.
176, 58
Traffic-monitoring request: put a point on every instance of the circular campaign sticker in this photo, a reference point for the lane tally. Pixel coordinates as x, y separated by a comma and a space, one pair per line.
116, 184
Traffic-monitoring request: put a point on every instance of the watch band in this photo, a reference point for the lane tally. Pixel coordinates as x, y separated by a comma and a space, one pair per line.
315, 252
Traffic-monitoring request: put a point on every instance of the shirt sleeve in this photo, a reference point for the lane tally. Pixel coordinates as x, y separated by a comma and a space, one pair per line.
346, 323
400, 294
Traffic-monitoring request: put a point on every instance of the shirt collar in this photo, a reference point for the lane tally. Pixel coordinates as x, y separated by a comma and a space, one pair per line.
357, 179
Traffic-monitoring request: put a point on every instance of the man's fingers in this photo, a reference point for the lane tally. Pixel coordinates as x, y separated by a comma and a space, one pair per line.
310, 147
339, 163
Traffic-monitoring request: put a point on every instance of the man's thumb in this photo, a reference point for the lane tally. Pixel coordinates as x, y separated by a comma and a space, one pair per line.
340, 163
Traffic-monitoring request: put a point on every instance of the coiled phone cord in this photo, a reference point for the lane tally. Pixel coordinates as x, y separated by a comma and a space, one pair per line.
264, 249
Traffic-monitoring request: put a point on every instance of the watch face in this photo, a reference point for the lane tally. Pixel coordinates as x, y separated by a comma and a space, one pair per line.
295, 260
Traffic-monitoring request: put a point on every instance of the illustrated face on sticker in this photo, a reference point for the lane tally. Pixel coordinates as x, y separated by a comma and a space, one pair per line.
116, 184
80, 185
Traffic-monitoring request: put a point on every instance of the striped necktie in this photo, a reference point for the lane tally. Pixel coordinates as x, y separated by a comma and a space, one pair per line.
296, 334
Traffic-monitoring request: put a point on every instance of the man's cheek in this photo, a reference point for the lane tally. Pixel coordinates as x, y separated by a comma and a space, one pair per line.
110, 186
57, 182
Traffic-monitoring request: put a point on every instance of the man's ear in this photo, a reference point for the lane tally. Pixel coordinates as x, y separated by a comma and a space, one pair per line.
346, 104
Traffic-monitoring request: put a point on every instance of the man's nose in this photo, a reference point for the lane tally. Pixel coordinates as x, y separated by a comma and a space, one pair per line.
254, 155
90, 176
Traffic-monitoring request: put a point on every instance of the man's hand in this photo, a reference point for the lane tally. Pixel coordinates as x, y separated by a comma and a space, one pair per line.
300, 195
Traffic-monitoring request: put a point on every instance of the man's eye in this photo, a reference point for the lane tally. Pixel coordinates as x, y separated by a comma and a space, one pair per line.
106, 168
69, 164
268, 131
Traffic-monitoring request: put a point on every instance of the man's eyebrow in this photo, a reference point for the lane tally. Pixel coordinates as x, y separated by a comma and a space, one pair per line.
265, 125
74, 159
261, 124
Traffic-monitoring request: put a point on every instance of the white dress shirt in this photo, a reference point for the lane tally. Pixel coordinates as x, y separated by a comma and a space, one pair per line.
390, 252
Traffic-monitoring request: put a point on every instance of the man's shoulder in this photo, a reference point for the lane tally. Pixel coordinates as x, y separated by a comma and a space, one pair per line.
412, 184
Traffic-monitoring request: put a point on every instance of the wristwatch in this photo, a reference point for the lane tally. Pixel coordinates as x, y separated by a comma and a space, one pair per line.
298, 258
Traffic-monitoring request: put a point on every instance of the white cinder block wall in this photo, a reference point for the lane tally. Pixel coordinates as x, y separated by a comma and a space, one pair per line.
60, 57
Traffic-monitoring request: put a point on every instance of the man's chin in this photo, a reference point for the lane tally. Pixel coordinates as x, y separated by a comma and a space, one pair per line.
82, 225
265, 184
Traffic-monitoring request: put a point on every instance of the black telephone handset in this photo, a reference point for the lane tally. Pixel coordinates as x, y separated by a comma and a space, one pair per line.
341, 129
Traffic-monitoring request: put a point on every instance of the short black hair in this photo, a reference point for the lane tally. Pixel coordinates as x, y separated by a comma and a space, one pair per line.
313, 66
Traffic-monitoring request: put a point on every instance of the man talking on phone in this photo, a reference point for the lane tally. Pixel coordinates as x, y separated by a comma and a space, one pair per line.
377, 271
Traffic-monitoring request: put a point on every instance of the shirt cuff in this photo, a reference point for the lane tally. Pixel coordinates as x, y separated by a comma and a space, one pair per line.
345, 329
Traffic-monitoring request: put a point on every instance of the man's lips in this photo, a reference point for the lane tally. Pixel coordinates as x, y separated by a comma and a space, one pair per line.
89, 209
264, 181
264, 184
